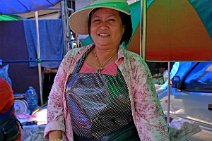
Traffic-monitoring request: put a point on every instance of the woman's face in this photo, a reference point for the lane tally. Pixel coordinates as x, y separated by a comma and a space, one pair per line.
106, 27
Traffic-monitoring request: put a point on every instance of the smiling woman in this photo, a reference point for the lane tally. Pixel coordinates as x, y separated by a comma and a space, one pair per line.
103, 91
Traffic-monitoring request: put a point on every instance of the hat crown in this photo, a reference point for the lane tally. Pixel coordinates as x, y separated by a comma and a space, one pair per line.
119, 5
107, 1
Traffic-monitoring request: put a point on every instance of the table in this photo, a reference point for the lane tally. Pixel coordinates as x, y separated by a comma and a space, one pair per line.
179, 130
33, 133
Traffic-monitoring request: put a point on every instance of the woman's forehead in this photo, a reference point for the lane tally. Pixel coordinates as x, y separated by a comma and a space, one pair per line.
100, 11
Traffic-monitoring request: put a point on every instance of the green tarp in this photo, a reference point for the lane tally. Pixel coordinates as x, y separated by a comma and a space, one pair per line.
9, 18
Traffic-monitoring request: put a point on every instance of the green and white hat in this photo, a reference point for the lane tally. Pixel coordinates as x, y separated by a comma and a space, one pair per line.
79, 19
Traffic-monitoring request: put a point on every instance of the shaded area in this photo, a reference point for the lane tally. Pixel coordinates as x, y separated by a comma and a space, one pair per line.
13, 47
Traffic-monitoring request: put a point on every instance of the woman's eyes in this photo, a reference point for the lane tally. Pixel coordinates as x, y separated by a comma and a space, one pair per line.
96, 21
111, 20
99, 20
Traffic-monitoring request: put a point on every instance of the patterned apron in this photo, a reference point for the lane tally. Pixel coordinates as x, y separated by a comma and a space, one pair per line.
99, 105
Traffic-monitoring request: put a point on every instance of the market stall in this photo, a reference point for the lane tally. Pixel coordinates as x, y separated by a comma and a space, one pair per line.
181, 129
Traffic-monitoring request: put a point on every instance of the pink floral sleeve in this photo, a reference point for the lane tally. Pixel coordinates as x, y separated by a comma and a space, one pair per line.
148, 115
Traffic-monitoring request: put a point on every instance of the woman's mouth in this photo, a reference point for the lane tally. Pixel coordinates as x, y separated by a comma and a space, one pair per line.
104, 35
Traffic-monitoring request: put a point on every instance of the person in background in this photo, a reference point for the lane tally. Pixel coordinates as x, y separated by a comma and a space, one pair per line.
103, 92
7, 112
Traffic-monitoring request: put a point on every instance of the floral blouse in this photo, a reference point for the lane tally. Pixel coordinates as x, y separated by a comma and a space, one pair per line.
146, 109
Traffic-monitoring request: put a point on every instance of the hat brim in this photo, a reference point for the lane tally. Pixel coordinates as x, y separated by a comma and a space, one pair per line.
79, 19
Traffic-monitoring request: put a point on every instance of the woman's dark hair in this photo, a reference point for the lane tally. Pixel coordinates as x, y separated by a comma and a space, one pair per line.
126, 21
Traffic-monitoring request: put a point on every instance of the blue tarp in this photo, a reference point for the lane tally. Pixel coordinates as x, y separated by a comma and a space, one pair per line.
51, 41
196, 76
193, 76
24, 6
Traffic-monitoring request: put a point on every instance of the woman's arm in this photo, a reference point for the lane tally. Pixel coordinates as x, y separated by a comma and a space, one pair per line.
148, 114
55, 110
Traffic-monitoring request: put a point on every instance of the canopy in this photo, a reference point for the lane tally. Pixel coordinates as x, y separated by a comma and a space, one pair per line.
179, 30
24, 6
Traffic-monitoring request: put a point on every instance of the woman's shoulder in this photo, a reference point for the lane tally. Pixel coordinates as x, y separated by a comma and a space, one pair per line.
73, 55
133, 56
79, 50
76, 53
135, 60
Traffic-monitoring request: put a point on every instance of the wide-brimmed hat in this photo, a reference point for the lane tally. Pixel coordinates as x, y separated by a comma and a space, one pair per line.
79, 19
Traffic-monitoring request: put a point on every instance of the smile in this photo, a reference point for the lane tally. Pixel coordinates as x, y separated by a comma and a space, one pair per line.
104, 35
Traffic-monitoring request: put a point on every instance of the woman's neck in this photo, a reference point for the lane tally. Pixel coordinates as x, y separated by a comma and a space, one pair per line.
103, 57
103, 54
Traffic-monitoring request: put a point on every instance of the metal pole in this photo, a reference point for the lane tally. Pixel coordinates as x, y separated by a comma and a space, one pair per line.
143, 25
38, 57
169, 95
66, 30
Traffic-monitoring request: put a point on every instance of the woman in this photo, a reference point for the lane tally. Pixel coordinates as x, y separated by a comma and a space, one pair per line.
9, 126
102, 91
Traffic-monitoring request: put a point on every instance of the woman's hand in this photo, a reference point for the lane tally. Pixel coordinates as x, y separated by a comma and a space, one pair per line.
55, 135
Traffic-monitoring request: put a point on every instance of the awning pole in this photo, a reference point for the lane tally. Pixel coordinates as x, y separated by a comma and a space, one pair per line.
143, 29
66, 30
38, 57
169, 94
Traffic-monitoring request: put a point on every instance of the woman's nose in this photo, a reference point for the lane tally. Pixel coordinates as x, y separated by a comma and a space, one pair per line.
104, 25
